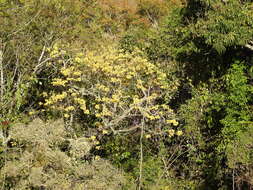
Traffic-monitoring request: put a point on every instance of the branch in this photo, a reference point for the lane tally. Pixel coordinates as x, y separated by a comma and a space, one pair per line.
42, 53
2, 75
141, 155
126, 130
40, 62
249, 45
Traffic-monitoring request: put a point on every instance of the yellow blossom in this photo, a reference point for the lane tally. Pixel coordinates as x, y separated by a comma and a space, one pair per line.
66, 71
115, 98
98, 147
114, 80
98, 115
70, 108
78, 59
96, 142
171, 132
86, 111
173, 122
129, 76
31, 113
79, 101
66, 115
59, 82
56, 98
148, 136
93, 137
179, 133
97, 106
77, 73
78, 79
103, 88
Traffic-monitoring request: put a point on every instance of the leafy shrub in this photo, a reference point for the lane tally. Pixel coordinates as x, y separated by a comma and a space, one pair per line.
219, 116
43, 155
239, 155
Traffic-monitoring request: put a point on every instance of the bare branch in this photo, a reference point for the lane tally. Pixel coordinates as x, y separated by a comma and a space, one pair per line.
42, 54
141, 155
2, 74
249, 45
127, 130
40, 62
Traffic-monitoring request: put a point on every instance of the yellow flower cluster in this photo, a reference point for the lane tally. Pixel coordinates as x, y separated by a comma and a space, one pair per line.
66, 115
69, 108
59, 82
102, 88
172, 132
105, 132
55, 98
148, 136
67, 71
115, 82
82, 105
179, 133
173, 122
77, 73
105, 112
54, 52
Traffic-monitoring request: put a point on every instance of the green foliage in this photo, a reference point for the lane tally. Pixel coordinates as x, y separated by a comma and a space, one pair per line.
205, 39
219, 116
239, 155
121, 151
239, 93
225, 26
240, 152
135, 38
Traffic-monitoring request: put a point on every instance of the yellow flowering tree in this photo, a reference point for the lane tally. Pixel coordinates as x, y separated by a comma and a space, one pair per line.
122, 91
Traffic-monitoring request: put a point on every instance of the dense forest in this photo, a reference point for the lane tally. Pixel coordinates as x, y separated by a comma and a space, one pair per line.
126, 94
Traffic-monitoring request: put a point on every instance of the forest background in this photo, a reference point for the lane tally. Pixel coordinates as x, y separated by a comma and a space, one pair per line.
126, 94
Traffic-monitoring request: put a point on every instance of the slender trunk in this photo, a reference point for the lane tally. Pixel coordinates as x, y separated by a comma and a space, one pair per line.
141, 155
233, 177
2, 76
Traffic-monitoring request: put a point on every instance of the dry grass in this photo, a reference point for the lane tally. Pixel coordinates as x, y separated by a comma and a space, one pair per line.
35, 160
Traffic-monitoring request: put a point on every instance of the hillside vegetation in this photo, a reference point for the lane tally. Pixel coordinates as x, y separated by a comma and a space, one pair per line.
126, 94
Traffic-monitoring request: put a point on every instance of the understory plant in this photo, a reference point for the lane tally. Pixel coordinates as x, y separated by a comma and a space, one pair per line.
42, 155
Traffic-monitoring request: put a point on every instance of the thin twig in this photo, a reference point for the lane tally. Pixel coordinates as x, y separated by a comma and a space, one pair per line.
25, 25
